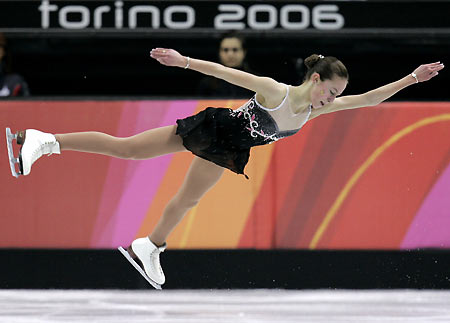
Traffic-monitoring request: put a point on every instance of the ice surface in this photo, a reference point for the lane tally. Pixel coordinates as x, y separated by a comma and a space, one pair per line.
232, 306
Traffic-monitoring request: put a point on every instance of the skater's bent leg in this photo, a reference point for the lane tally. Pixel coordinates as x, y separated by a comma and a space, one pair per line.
202, 176
148, 144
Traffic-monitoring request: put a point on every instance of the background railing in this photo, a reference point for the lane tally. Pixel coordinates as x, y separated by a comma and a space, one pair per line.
63, 49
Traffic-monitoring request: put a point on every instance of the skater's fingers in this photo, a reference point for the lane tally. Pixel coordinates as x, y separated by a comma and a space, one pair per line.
160, 51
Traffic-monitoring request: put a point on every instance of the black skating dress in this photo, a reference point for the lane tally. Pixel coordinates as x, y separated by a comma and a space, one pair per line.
225, 136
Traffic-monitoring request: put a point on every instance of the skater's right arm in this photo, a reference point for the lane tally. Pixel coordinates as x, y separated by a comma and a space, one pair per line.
264, 86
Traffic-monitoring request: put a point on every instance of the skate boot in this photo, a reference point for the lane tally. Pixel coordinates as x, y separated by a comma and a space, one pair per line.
144, 256
34, 144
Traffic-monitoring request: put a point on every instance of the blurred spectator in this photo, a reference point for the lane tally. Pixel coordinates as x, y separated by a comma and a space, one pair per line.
10, 84
232, 53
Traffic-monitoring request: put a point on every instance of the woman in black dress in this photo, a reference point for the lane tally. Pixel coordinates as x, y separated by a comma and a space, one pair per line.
219, 138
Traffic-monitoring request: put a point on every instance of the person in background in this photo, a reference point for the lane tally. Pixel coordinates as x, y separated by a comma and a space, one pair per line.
232, 53
11, 84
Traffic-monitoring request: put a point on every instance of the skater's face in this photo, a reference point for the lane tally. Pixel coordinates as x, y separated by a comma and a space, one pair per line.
326, 91
231, 52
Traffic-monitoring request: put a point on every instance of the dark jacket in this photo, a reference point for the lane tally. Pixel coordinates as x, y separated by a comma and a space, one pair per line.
210, 86
12, 84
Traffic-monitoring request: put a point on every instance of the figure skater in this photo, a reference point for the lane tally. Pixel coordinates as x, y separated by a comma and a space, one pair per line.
218, 137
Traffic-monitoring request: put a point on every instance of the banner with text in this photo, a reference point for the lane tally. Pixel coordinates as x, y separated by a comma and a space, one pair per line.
208, 16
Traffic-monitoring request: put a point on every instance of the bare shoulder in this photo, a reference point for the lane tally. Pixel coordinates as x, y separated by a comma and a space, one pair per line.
273, 95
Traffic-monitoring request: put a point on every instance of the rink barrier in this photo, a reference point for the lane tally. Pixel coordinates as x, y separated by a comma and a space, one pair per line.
229, 269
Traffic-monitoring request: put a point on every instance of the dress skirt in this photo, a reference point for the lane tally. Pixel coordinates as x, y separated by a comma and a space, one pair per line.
215, 134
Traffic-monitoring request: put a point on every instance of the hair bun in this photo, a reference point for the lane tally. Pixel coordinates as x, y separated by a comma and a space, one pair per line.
327, 67
312, 60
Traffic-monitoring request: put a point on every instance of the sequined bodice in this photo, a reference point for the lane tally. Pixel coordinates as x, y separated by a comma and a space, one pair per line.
269, 125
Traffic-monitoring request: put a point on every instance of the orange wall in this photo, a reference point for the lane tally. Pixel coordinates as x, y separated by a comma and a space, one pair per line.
375, 178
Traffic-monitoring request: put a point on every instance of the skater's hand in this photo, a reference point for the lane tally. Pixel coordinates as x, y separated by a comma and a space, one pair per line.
168, 57
428, 71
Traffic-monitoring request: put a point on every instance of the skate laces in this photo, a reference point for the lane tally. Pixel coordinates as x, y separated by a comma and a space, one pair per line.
154, 256
44, 148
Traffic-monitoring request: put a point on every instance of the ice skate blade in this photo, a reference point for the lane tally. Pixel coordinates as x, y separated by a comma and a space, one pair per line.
12, 160
138, 268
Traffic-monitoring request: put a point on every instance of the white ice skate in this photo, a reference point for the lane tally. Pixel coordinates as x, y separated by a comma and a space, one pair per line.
34, 144
144, 256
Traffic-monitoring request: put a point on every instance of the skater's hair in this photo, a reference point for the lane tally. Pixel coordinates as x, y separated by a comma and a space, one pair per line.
326, 66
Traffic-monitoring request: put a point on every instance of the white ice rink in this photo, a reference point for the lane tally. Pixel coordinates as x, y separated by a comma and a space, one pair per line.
235, 306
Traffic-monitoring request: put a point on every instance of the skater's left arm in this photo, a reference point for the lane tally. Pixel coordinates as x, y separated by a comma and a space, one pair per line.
374, 97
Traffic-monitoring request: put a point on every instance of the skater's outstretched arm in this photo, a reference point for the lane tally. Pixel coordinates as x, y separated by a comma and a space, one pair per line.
265, 86
374, 97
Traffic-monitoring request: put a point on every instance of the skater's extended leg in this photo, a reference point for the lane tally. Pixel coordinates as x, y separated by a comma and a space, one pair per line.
201, 177
148, 144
